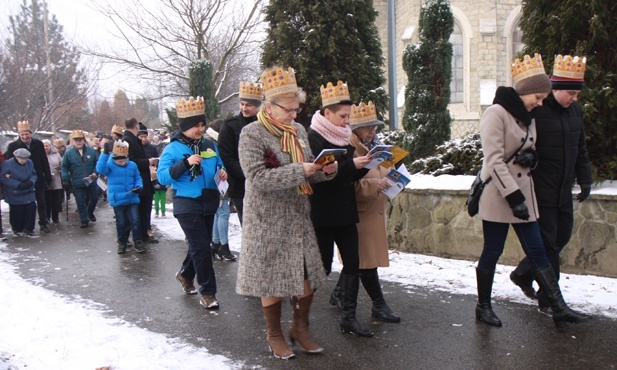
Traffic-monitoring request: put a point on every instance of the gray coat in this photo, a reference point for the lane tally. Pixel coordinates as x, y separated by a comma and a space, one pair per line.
278, 238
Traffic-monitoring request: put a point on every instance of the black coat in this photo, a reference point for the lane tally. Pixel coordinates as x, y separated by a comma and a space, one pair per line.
229, 137
333, 202
562, 153
37, 156
138, 155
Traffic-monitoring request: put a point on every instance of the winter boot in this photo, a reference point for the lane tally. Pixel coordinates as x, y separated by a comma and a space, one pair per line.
139, 246
380, 310
225, 254
121, 247
484, 310
215, 249
336, 296
299, 331
562, 314
276, 341
525, 285
350, 284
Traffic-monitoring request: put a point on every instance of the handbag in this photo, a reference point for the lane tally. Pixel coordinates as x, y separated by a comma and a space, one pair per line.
477, 187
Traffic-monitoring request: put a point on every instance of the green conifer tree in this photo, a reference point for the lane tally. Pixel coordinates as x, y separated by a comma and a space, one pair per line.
200, 84
327, 41
428, 67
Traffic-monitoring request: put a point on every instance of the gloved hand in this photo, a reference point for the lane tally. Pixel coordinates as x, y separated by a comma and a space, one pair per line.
25, 185
585, 191
521, 211
66, 185
528, 158
136, 190
108, 147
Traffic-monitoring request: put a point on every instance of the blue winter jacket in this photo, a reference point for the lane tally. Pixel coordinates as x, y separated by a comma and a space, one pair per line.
19, 174
120, 180
75, 169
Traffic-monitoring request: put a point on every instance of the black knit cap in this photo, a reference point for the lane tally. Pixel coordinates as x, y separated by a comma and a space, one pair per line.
188, 122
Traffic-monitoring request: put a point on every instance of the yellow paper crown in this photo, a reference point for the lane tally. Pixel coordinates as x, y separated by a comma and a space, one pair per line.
334, 94
249, 90
58, 142
278, 81
117, 130
192, 107
363, 114
76, 134
527, 68
569, 67
23, 126
121, 148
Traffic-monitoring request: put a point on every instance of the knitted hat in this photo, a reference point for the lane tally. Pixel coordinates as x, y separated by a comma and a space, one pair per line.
529, 76
22, 153
143, 130
539, 84
568, 73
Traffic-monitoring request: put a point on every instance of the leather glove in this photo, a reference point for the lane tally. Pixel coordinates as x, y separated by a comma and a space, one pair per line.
25, 185
136, 190
528, 158
108, 147
585, 191
521, 211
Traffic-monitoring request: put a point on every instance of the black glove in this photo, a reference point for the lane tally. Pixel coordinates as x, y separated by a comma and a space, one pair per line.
521, 211
25, 185
585, 191
66, 185
136, 190
528, 158
108, 147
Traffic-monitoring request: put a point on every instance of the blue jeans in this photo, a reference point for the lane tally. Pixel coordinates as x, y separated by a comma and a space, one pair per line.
495, 234
220, 231
92, 193
127, 215
198, 261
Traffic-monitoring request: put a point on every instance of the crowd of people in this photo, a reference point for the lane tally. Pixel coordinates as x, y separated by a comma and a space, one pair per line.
293, 209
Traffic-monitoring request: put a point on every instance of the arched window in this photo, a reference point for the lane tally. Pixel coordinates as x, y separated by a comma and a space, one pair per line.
457, 85
517, 36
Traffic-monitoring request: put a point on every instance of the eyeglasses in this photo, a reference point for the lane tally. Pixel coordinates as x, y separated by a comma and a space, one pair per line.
287, 110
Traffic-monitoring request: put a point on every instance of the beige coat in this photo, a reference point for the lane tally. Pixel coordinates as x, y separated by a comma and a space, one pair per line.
373, 241
278, 237
501, 135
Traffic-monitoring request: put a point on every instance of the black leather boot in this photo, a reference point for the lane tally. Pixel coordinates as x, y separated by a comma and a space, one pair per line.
484, 310
215, 249
337, 295
225, 254
562, 314
380, 310
350, 284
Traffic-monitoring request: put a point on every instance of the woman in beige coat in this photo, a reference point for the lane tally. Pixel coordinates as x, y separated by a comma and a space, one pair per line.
508, 135
280, 256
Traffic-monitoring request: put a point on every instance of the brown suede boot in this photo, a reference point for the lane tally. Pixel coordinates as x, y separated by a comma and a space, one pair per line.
299, 331
278, 346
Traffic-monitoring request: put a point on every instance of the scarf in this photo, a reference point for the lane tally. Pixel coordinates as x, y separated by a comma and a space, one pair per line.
509, 99
336, 135
195, 146
289, 142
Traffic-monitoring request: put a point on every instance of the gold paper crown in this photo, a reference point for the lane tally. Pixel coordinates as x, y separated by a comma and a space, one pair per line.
527, 68
58, 142
362, 114
249, 90
192, 107
121, 148
23, 126
76, 134
117, 130
278, 81
334, 94
568, 67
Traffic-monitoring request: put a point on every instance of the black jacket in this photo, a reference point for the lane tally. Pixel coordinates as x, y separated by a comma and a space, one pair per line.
333, 202
562, 153
229, 137
138, 155
37, 156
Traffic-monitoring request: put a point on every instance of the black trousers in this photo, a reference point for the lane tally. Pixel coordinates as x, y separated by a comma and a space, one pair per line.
145, 214
41, 207
346, 239
53, 200
239, 205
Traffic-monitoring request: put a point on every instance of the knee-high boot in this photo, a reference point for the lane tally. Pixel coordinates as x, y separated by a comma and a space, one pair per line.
546, 279
337, 295
299, 331
350, 283
484, 310
380, 309
278, 346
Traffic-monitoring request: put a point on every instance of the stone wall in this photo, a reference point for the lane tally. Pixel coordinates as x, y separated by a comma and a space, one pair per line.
435, 222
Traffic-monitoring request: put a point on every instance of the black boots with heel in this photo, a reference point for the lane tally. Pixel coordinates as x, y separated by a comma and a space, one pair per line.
484, 310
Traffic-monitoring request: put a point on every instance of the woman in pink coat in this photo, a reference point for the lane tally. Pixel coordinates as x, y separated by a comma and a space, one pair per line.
508, 132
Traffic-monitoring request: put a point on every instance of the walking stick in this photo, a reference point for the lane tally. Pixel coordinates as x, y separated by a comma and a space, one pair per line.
66, 205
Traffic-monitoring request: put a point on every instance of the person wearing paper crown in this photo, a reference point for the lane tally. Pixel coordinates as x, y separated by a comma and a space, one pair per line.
333, 204
123, 186
189, 164
280, 255
563, 157
508, 133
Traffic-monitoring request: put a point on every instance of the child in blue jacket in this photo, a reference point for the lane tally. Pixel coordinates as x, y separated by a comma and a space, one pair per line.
123, 186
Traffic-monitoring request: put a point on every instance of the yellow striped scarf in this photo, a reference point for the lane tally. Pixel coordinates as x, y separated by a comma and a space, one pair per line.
289, 142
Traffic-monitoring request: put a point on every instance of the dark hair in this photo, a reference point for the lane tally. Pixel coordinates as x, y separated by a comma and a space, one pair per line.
216, 124
131, 123
335, 107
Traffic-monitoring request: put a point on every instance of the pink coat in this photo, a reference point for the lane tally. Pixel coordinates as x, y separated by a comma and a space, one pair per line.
501, 135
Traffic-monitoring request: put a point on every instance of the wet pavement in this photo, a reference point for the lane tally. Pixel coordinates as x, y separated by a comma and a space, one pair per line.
438, 329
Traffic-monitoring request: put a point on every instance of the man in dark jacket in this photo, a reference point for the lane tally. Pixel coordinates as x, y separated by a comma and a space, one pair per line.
138, 155
41, 166
562, 158
229, 137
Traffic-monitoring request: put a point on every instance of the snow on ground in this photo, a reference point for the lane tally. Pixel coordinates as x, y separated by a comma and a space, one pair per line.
42, 329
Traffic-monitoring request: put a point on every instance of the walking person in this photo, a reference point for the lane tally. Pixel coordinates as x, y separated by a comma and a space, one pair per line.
53, 194
508, 131
280, 256
189, 164
564, 158
229, 138
19, 176
333, 204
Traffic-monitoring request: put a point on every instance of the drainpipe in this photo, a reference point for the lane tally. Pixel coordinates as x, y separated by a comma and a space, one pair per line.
392, 88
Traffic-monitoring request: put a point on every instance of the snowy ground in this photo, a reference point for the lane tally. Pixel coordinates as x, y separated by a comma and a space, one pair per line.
74, 334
